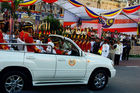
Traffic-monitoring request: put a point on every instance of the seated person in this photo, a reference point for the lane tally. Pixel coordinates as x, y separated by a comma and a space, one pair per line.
59, 49
50, 48
39, 46
20, 47
4, 47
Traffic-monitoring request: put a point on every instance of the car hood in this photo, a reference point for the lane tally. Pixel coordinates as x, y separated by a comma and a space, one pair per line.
97, 58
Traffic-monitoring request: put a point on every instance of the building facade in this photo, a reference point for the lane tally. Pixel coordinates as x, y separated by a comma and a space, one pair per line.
109, 4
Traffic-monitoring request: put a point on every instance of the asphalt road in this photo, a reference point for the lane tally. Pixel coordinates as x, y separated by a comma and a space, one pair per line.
127, 80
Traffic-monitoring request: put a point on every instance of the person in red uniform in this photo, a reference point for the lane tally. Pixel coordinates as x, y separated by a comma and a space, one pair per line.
88, 46
77, 40
83, 47
58, 50
27, 38
4, 47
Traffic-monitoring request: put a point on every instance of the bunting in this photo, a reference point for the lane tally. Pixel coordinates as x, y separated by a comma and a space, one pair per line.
91, 13
27, 2
75, 3
131, 9
112, 14
109, 15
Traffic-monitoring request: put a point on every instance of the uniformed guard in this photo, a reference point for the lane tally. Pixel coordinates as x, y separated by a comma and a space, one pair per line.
27, 38
4, 47
88, 46
83, 46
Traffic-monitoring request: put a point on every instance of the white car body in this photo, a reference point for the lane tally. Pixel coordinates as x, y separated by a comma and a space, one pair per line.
50, 69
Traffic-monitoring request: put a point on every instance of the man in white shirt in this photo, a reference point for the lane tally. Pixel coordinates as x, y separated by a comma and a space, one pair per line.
105, 49
118, 51
92, 43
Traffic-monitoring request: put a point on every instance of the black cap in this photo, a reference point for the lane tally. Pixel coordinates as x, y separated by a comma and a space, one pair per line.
1, 21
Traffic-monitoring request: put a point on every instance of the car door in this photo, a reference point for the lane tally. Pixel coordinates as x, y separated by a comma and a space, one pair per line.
70, 66
42, 65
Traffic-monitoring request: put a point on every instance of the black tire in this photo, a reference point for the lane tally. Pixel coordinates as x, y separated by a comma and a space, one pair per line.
98, 80
12, 80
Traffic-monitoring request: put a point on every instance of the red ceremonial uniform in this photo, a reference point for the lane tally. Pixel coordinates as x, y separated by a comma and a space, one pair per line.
88, 46
77, 42
5, 47
80, 44
83, 46
27, 38
58, 51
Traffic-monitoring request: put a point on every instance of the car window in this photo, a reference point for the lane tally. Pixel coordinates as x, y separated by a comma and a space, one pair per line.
71, 48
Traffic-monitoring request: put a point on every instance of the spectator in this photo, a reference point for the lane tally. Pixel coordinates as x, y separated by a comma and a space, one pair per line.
117, 52
112, 51
96, 46
128, 48
92, 44
105, 49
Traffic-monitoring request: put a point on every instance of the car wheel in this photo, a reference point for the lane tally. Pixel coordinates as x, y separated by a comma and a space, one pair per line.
12, 82
98, 80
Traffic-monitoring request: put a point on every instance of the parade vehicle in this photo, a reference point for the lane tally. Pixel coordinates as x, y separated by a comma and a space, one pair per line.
21, 69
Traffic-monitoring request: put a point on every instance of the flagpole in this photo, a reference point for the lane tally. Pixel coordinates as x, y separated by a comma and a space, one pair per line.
11, 22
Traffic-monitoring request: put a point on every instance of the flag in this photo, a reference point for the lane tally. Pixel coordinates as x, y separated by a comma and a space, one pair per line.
99, 32
106, 23
100, 50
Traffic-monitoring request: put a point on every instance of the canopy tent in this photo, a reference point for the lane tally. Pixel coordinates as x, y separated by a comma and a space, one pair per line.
77, 11
126, 19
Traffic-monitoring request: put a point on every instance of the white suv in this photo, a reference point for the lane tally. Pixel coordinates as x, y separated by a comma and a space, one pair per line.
21, 69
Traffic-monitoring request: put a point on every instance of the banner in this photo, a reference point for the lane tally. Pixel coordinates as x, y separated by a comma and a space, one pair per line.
19, 17
99, 32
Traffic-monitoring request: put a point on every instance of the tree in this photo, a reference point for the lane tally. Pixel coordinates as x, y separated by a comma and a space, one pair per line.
55, 24
12, 7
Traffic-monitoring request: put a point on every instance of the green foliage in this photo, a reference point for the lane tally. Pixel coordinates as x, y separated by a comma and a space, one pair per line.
135, 56
55, 24
14, 8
